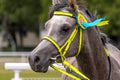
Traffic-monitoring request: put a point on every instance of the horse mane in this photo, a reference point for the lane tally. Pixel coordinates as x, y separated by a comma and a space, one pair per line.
104, 38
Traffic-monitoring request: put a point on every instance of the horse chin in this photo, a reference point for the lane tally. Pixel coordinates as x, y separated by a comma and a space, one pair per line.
40, 68
43, 69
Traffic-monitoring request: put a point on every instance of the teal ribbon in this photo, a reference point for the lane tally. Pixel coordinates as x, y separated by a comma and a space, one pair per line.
94, 23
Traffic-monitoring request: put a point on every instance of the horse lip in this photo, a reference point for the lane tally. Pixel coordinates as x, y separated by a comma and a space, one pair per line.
43, 68
40, 69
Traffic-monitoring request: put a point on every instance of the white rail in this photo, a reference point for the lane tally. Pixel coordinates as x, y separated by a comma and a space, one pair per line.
23, 55
14, 54
18, 67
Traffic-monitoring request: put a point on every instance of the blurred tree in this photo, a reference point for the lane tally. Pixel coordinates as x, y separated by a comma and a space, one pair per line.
110, 9
45, 9
20, 16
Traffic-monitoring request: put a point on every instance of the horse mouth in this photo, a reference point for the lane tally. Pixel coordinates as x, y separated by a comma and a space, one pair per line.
39, 68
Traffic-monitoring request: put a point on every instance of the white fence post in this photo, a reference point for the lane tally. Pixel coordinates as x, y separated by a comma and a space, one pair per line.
17, 68
17, 75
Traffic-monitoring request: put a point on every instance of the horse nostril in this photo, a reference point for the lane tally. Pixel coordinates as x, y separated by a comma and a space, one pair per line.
36, 59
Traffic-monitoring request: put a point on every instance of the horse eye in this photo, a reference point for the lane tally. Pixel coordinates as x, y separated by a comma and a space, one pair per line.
65, 28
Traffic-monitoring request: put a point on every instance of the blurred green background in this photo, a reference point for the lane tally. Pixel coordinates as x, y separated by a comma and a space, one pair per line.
110, 9
20, 18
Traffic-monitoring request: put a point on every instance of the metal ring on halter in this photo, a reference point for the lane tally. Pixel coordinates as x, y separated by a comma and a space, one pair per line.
57, 59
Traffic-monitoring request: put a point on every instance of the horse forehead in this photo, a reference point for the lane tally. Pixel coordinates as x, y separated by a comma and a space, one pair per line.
56, 19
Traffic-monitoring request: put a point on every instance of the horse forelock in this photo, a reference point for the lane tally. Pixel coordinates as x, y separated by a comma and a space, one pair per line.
62, 5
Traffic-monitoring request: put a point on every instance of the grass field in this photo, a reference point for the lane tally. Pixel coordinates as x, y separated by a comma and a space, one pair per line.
7, 75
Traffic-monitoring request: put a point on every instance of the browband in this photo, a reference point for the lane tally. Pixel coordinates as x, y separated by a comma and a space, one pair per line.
81, 21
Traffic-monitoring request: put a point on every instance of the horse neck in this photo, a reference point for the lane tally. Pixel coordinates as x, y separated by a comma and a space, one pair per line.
92, 60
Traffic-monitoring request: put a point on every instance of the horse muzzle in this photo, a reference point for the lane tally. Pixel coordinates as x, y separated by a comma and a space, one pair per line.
42, 56
37, 65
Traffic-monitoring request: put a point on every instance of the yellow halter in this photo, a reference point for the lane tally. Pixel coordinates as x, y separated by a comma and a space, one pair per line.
65, 47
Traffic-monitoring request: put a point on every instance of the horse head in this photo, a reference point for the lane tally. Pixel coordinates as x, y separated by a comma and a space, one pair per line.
64, 37
59, 28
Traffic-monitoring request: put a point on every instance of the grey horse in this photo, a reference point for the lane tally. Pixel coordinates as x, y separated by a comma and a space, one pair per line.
92, 59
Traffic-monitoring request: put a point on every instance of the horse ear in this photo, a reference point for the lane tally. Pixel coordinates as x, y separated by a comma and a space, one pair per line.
73, 4
54, 2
